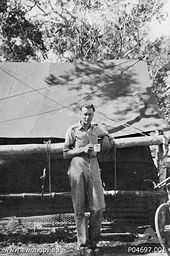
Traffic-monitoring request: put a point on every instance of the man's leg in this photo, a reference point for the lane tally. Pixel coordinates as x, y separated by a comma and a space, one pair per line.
94, 227
77, 182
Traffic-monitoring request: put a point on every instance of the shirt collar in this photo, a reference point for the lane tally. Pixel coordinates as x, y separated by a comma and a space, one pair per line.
80, 126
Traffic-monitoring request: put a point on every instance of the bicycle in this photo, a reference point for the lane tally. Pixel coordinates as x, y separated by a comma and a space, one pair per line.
160, 216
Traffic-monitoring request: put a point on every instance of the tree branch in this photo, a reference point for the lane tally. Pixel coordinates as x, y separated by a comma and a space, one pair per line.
131, 50
50, 4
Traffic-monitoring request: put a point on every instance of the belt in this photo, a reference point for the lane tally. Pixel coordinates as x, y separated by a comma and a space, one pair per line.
91, 157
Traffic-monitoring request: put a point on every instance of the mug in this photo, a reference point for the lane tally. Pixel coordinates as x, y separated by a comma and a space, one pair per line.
97, 147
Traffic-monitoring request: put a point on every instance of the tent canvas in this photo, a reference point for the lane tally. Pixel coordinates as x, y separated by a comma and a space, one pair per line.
43, 99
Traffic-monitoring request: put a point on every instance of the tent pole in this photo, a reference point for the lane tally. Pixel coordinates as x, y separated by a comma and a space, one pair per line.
48, 143
115, 170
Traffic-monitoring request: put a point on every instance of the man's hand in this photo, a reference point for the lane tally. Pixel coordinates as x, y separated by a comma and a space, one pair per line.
107, 144
88, 149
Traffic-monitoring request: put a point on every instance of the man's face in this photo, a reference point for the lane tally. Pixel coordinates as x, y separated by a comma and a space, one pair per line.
87, 115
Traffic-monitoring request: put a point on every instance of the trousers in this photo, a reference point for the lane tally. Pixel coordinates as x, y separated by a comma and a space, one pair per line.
87, 195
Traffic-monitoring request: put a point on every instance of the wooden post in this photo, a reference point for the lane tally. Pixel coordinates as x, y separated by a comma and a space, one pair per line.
162, 157
48, 143
115, 170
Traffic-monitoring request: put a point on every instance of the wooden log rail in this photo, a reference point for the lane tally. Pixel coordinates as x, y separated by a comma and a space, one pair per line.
110, 193
56, 148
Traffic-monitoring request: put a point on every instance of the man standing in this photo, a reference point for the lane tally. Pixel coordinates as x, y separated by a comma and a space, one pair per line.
81, 146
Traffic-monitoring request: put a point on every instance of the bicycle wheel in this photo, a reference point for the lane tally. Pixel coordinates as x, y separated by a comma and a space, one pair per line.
160, 222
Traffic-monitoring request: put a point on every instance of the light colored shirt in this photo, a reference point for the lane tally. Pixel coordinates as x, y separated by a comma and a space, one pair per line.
77, 136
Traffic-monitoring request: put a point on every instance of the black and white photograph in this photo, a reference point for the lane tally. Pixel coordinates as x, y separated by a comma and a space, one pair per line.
84, 127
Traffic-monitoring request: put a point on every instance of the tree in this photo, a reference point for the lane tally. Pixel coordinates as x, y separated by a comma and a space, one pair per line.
75, 29
161, 89
21, 40
90, 30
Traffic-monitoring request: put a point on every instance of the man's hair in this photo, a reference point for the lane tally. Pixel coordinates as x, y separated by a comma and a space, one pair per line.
88, 106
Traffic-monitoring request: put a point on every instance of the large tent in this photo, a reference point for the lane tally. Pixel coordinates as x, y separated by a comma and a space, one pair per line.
43, 99
39, 101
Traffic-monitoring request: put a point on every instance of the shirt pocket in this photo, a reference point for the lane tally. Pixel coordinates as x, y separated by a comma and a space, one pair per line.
93, 138
81, 139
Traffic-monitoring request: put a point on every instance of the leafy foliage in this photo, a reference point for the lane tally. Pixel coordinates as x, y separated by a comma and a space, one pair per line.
3, 6
21, 39
75, 29
92, 31
161, 86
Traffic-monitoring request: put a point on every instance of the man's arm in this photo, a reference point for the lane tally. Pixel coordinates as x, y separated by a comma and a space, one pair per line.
107, 142
73, 152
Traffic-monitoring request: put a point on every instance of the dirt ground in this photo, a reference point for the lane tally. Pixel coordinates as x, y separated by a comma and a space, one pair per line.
69, 249
61, 248
17, 239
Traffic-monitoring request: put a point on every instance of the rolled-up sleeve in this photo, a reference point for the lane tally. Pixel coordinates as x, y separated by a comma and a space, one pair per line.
106, 140
69, 140
101, 132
